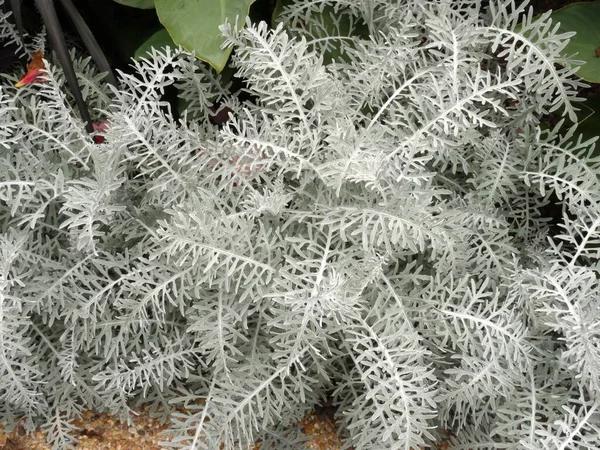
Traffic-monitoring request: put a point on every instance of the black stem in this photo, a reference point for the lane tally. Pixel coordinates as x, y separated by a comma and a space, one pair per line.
89, 40
59, 45
15, 6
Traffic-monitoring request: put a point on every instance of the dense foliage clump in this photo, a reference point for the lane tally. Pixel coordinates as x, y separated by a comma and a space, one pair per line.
373, 225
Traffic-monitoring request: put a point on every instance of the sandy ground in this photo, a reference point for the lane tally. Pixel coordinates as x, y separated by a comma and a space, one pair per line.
104, 432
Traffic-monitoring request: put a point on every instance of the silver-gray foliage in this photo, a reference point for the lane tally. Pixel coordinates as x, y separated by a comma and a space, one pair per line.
371, 227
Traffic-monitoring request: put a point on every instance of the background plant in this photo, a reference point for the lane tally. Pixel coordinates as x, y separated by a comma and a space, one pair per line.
46, 8
194, 24
582, 18
372, 229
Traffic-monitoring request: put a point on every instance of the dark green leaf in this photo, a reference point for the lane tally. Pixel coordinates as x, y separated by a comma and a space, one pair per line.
142, 4
160, 39
583, 18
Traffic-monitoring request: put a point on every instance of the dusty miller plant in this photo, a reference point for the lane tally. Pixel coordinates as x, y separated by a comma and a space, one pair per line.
376, 230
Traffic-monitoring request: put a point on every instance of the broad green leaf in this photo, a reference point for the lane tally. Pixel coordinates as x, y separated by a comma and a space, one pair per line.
142, 4
583, 18
159, 39
194, 24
